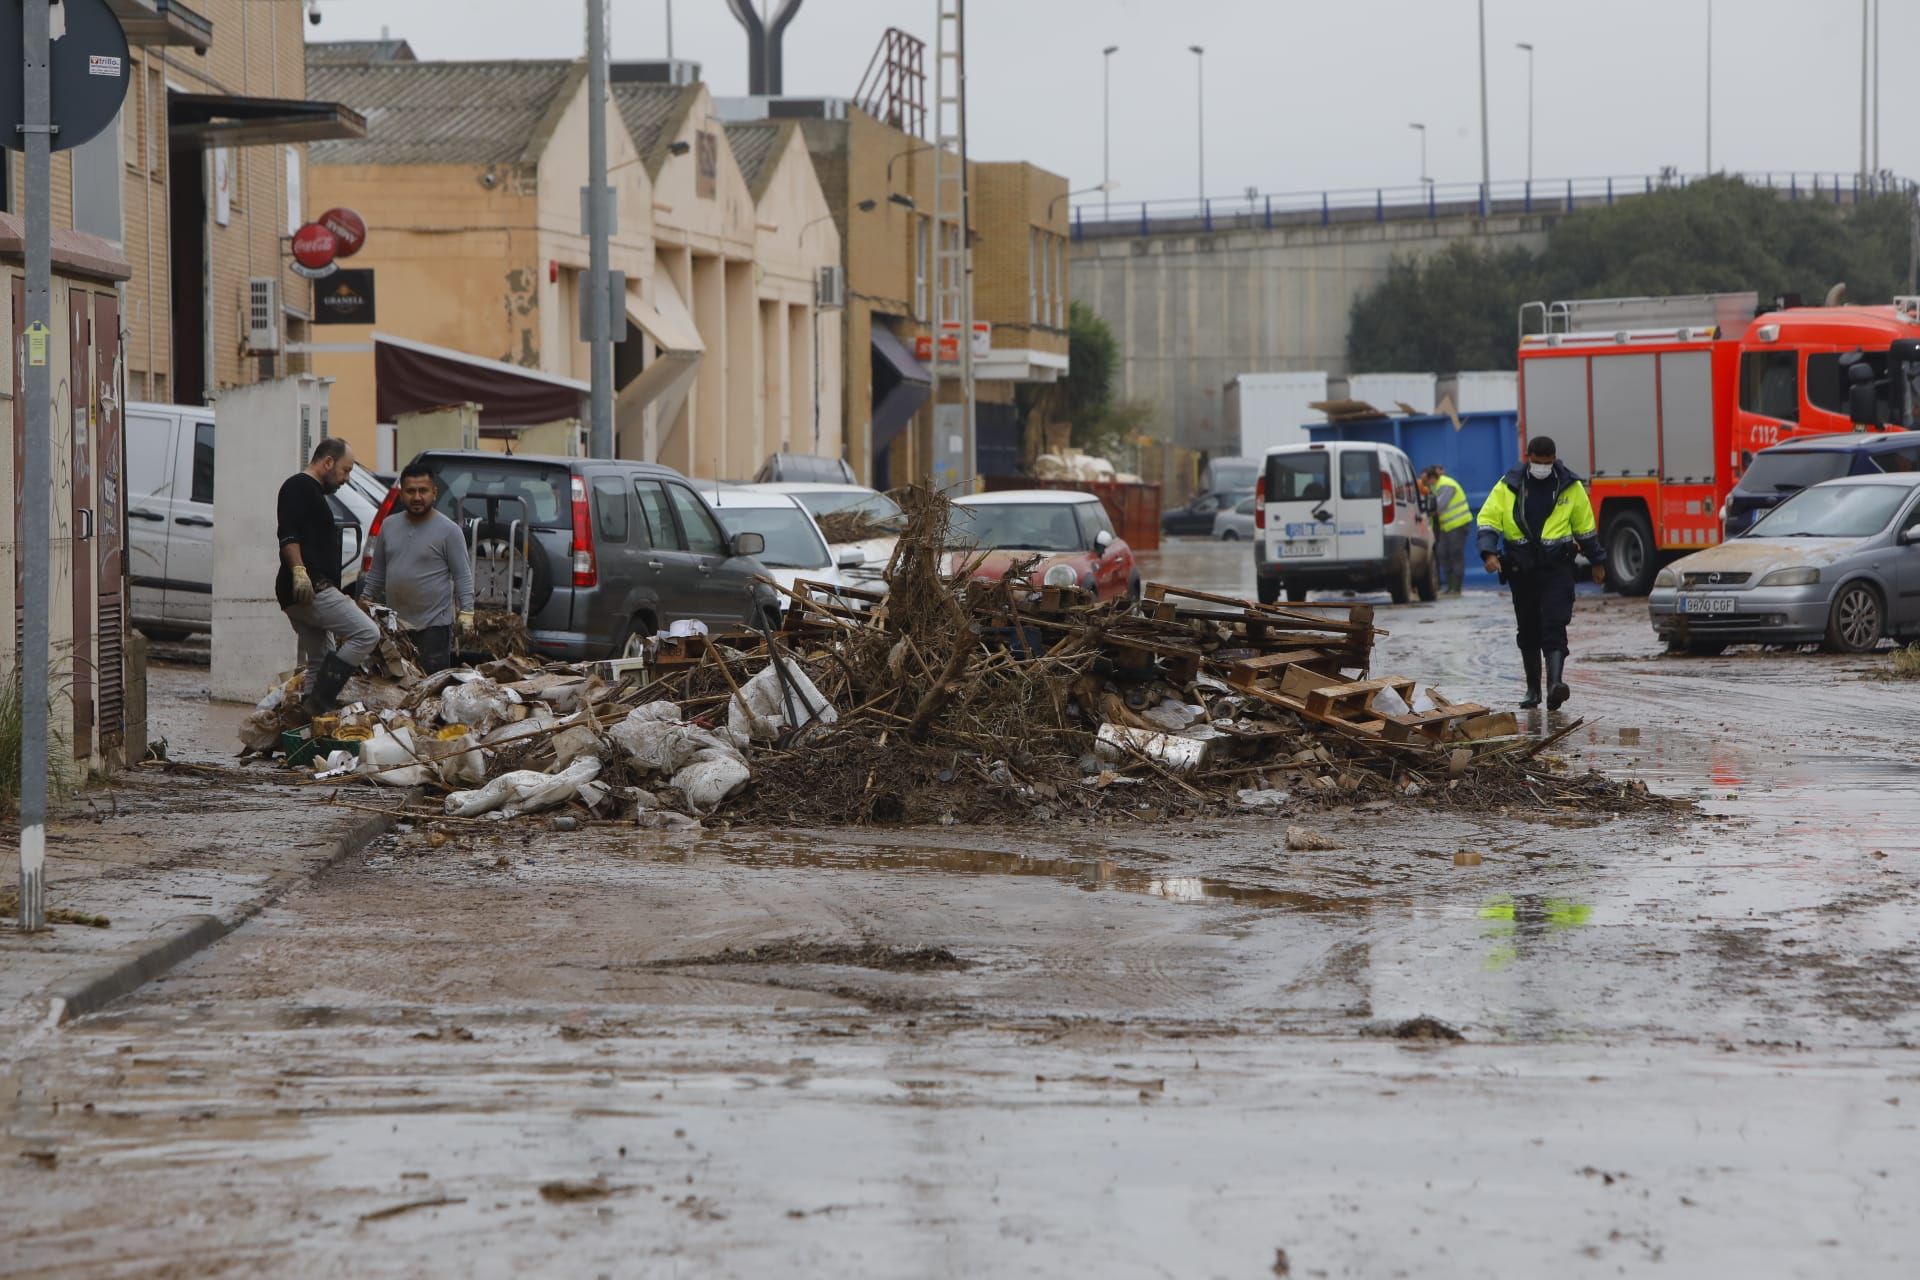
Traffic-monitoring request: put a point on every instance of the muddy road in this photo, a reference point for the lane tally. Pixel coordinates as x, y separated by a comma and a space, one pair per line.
1687, 1043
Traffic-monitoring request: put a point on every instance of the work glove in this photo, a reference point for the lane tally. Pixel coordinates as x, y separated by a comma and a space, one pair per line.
302, 585
465, 620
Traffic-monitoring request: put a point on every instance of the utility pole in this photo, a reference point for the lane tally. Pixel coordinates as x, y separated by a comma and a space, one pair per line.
1200, 65
1709, 87
37, 482
1527, 49
599, 204
1486, 152
1866, 67
1876, 87
1421, 129
669, 30
1106, 127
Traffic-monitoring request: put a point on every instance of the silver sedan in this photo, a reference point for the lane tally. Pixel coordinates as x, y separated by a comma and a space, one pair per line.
1837, 564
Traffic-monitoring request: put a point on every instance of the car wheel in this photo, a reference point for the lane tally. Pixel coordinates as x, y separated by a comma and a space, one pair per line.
1429, 583
1400, 585
1267, 589
1857, 621
1632, 555
1296, 595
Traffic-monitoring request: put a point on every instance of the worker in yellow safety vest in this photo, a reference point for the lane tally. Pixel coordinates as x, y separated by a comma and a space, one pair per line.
1531, 526
1453, 517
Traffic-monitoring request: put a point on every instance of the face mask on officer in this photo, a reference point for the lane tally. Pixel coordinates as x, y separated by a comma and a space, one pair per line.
1540, 470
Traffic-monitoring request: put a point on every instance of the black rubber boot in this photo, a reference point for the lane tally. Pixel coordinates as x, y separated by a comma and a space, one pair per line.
1530, 660
1557, 691
325, 693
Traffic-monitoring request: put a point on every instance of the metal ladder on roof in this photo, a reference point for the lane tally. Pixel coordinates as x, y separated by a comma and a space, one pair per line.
953, 456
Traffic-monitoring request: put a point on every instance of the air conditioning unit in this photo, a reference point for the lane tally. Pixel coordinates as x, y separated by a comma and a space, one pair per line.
830, 290
263, 314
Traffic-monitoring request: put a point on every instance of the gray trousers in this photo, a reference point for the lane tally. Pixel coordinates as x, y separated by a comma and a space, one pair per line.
332, 623
1451, 547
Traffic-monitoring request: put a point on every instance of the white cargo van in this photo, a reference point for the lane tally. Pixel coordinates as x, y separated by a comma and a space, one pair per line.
1341, 516
170, 449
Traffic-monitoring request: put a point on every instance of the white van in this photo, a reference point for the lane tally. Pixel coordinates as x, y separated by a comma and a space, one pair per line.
170, 518
1341, 516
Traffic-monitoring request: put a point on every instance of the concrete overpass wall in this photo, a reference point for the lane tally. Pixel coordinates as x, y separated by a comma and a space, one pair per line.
1193, 311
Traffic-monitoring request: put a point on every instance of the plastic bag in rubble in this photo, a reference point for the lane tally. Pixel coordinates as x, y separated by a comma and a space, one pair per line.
710, 777
1389, 703
458, 756
260, 731
524, 791
759, 711
1173, 715
389, 759
480, 703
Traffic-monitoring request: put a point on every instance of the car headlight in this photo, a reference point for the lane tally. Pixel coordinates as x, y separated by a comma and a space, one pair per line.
1666, 578
1061, 575
1790, 578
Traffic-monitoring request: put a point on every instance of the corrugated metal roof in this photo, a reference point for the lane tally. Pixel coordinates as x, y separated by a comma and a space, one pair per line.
654, 115
756, 148
357, 53
443, 112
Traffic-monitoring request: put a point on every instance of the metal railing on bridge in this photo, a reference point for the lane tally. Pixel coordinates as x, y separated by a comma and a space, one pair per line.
1436, 200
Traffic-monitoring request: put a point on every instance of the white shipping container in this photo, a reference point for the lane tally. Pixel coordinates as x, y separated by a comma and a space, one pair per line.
1268, 409
1387, 391
1489, 392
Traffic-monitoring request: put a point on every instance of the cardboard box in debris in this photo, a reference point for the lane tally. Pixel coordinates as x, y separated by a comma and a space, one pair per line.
944, 699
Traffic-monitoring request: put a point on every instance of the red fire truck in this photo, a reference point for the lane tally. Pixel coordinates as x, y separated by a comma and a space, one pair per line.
1662, 402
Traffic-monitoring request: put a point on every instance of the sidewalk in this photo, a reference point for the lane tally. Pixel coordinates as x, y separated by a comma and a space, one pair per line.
174, 858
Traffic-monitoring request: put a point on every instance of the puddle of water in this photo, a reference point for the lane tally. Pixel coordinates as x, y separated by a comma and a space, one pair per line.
1093, 875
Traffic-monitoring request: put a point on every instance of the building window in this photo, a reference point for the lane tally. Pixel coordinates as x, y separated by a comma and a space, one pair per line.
1060, 282
133, 135
156, 124
294, 218
1033, 276
922, 266
97, 186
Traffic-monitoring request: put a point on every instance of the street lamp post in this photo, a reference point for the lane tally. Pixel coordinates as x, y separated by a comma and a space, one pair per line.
1709, 86
1486, 153
1526, 48
1200, 73
1421, 129
1106, 122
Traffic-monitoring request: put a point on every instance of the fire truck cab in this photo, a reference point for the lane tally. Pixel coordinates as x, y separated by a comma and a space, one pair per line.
1661, 403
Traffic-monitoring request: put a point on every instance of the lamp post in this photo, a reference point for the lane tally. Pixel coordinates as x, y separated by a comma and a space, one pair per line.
1527, 49
1421, 129
1106, 122
1709, 86
598, 203
1200, 72
1486, 153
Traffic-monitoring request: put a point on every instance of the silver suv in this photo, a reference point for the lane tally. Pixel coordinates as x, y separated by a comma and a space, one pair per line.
616, 550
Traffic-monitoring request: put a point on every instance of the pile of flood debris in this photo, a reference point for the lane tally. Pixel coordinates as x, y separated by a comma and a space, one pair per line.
945, 699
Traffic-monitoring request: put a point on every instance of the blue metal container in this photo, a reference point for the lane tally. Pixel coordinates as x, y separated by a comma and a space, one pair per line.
1485, 447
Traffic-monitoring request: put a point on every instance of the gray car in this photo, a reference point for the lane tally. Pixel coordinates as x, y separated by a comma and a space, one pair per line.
1837, 564
617, 550
1235, 523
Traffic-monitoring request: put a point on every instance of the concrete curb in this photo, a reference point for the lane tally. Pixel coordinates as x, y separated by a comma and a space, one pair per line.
177, 940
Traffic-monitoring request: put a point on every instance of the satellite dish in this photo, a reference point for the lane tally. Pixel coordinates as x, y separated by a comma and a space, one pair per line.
88, 67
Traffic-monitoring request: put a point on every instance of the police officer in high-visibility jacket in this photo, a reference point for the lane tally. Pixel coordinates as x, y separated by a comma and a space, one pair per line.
1530, 527
1453, 516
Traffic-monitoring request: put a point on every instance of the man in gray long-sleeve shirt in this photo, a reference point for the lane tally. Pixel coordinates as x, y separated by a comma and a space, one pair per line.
420, 569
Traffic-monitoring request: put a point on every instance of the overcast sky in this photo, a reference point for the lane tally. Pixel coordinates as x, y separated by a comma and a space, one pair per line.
1300, 94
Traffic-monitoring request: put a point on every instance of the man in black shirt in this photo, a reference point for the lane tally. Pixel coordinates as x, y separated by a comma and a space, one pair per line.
335, 636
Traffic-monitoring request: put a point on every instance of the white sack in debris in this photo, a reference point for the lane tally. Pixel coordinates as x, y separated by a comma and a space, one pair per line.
576, 740
480, 703
759, 711
389, 758
656, 741
539, 720
1124, 742
710, 777
524, 791
459, 759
